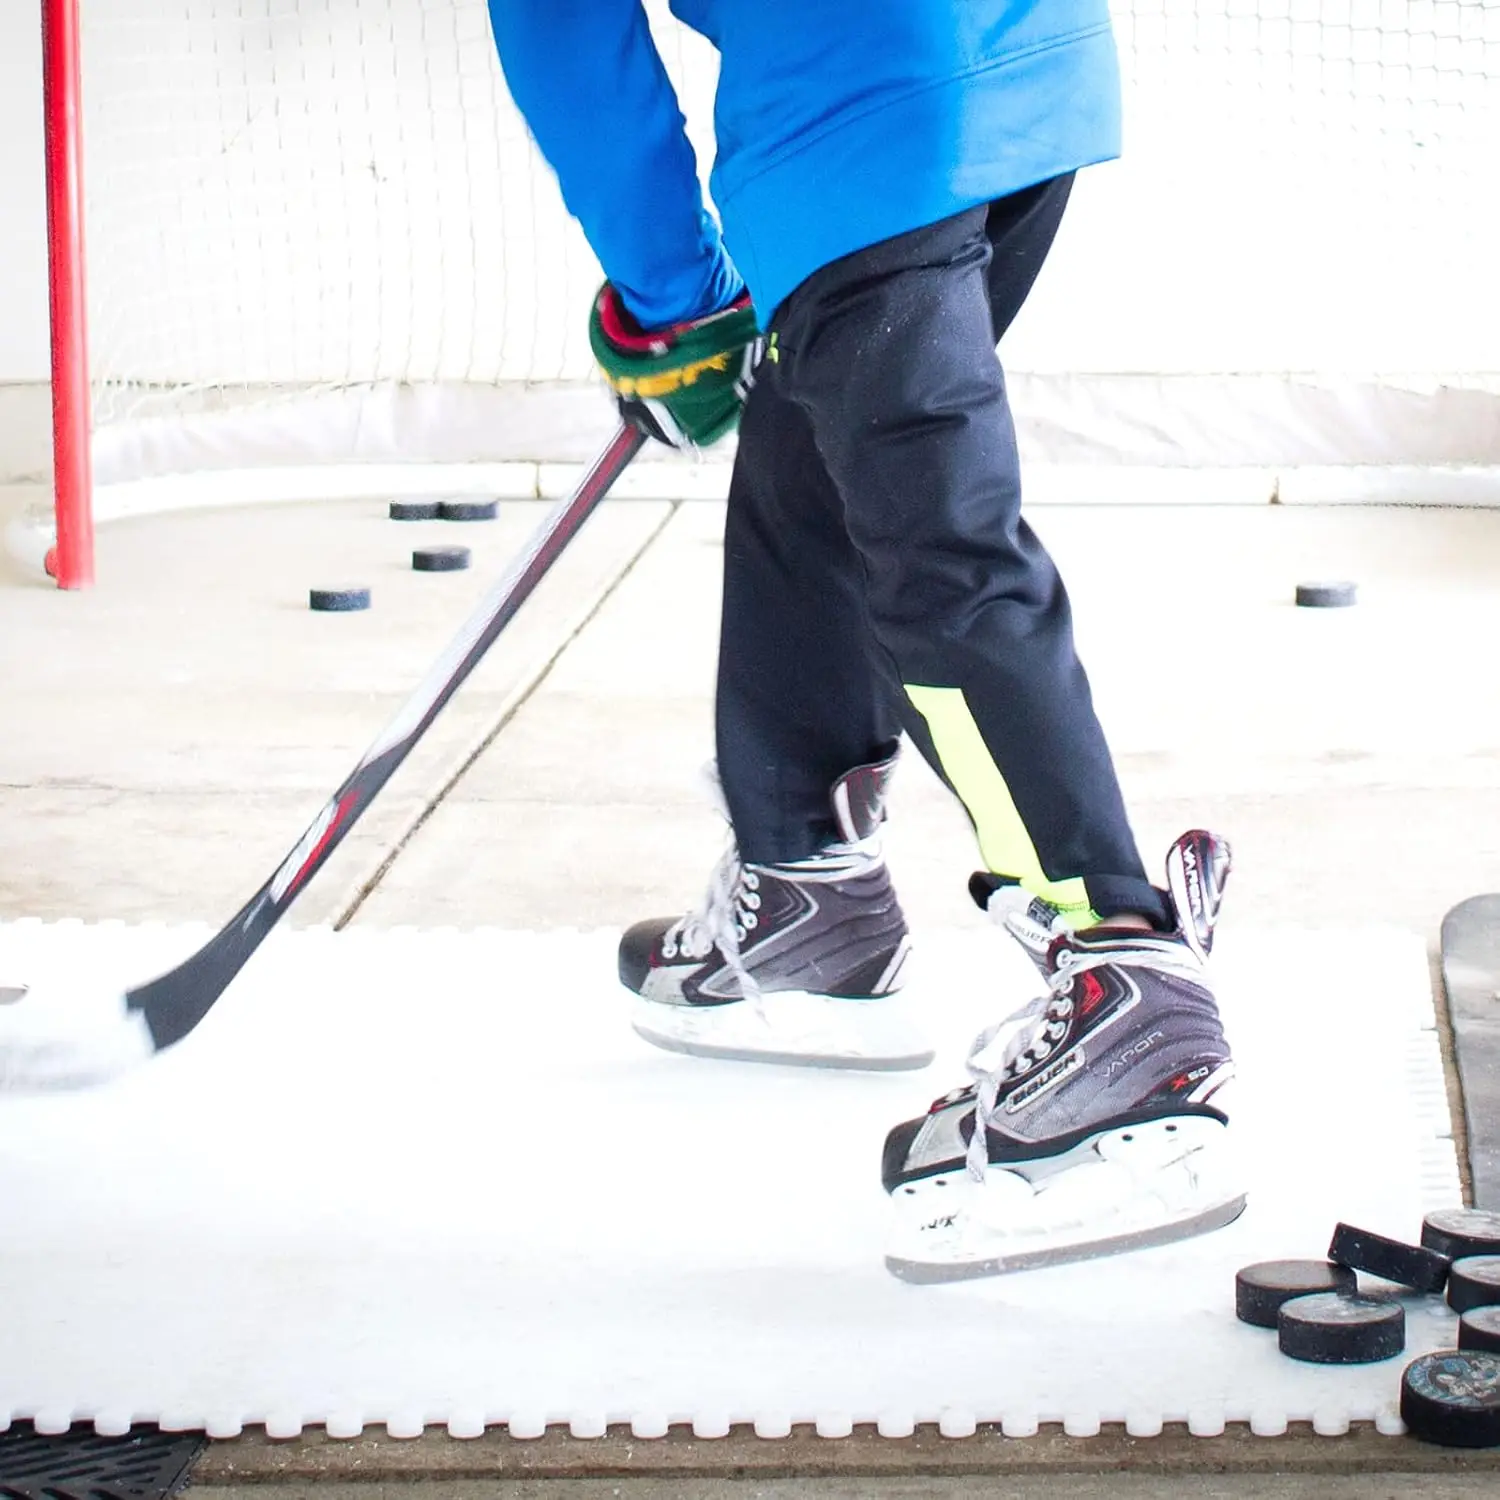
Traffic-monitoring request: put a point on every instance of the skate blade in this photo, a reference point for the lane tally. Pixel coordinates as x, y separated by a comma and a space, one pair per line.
1129, 1189
792, 1028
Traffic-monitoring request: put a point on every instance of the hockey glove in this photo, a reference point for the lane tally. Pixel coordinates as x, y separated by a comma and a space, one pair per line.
682, 385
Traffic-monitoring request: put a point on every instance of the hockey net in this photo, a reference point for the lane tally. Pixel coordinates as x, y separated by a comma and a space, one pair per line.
317, 231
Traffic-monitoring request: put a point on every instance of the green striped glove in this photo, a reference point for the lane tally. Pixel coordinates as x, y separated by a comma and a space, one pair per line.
682, 385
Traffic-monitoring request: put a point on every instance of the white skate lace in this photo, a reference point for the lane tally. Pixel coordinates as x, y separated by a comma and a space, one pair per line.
1049, 1015
729, 911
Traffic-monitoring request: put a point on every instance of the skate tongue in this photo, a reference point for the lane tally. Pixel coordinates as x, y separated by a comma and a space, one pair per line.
1198, 864
858, 799
1032, 921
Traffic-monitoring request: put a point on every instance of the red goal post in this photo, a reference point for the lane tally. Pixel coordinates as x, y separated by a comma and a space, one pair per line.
71, 561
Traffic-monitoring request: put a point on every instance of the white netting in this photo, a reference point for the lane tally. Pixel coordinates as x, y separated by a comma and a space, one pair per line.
288, 196
1302, 188
319, 191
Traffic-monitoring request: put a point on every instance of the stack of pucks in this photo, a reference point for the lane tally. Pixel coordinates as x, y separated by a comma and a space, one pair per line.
1452, 1396
1471, 1237
1318, 1313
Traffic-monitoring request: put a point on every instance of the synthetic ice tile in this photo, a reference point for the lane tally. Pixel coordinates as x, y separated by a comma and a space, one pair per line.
411, 1178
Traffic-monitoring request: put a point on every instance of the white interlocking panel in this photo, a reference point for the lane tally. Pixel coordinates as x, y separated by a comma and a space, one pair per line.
423, 1178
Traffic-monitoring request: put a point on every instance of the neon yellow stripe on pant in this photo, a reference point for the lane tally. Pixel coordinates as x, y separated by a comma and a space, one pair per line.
1004, 843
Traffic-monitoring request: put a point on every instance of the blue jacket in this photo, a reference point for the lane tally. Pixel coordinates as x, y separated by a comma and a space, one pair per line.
839, 123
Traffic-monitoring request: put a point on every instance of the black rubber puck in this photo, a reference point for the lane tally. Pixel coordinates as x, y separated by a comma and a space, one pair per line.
468, 510
1479, 1328
414, 510
1327, 595
1336, 1328
1474, 1281
1415, 1266
440, 559
1259, 1290
1462, 1231
338, 601
1452, 1397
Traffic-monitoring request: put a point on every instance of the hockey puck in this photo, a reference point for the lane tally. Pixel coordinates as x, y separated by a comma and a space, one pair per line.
1452, 1397
338, 601
440, 559
1326, 595
414, 510
1456, 1232
1259, 1290
1479, 1328
1474, 1281
468, 510
1415, 1266
1336, 1328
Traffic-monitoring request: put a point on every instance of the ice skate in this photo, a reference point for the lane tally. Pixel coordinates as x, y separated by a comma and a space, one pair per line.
796, 963
1103, 1129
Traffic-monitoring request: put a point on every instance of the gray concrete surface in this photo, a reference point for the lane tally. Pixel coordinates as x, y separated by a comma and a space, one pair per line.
168, 735
1352, 756
164, 739
807, 1467
929, 1487
192, 706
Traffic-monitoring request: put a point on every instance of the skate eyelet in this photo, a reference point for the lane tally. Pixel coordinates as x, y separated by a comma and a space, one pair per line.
669, 950
751, 900
751, 922
751, 879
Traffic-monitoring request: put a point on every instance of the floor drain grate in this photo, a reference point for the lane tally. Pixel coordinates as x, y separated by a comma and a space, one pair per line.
143, 1464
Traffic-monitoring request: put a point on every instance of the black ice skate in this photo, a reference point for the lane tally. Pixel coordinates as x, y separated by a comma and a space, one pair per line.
1099, 1127
796, 963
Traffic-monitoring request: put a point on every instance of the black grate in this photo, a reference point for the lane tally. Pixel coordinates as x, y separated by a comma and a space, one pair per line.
143, 1464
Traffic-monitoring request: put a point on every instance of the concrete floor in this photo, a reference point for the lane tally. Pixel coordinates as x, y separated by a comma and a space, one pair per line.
1111, 1466
168, 735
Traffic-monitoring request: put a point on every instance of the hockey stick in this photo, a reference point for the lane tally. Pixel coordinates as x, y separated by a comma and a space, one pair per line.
71, 1041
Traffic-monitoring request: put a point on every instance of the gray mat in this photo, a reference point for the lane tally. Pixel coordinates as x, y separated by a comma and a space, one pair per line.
1471, 976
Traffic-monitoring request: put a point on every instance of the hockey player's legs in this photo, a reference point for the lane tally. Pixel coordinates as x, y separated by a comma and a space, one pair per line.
798, 700
889, 352
1091, 1127
798, 950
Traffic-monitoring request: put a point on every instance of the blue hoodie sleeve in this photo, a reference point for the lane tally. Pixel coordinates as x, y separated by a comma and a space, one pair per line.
590, 83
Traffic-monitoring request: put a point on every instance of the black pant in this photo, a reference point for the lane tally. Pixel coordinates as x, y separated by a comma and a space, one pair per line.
879, 577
